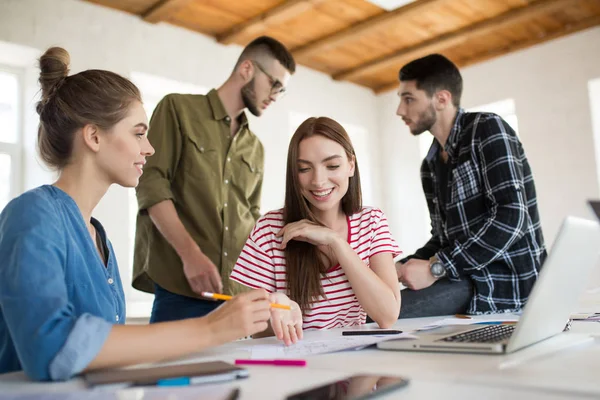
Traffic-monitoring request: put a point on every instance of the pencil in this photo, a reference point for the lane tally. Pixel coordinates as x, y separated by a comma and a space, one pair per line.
218, 296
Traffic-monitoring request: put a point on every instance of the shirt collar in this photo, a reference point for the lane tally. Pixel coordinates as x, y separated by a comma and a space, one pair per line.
218, 109
452, 141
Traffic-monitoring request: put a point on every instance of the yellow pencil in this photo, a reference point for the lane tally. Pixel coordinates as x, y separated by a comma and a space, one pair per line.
218, 296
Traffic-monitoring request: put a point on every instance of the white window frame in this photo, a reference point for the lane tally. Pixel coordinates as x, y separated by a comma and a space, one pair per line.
594, 99
15, 150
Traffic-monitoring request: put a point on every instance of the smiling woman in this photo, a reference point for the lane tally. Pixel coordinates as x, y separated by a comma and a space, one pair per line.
324, 249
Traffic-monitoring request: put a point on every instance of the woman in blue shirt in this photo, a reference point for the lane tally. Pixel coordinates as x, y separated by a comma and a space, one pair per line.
61, 300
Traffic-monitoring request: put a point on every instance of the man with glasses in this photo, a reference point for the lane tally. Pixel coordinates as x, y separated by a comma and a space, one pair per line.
199, 196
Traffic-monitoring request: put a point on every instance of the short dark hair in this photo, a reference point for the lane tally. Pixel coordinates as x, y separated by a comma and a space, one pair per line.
267, 46
432, 73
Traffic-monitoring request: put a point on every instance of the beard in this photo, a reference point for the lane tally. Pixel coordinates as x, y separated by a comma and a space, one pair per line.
249, 98
426, 120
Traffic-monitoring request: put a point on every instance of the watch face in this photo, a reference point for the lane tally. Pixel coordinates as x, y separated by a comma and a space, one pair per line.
437, 269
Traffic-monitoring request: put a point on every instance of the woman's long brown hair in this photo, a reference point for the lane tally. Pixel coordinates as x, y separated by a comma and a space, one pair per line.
304, 265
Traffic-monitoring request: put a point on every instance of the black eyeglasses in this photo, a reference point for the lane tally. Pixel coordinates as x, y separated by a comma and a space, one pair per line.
277, 88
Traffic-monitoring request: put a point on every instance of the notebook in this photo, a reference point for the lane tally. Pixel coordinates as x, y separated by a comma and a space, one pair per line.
205, 372
553, 298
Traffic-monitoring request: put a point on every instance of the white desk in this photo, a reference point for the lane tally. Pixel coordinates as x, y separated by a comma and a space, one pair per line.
540, 371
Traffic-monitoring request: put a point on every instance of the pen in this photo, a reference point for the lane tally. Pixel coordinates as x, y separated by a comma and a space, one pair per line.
280, 363
181, 381
218, 296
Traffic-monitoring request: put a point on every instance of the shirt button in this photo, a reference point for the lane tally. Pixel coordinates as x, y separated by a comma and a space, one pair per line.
228, 159
225, 205
435, 200
227, 118
201, 149
226, 228
226, 181
110, 281
117, 318
225, 253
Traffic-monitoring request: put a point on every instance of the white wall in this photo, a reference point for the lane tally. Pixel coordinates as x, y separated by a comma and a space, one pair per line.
98, 37
549, 84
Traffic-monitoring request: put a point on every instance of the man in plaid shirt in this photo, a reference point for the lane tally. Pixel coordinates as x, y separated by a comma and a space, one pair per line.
487, 247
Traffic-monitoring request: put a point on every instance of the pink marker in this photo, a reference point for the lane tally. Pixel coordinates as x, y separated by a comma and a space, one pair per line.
280, 363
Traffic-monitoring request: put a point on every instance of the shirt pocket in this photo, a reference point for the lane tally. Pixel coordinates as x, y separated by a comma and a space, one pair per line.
199, 159
247, 175
465, 182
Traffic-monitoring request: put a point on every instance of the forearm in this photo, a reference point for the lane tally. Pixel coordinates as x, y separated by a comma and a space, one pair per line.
136, 344
380, 301
165, 218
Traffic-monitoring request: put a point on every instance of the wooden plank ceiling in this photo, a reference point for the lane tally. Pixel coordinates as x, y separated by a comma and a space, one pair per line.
356, 41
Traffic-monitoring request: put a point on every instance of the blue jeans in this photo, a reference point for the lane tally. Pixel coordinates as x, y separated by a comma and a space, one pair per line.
173, 307
444, 297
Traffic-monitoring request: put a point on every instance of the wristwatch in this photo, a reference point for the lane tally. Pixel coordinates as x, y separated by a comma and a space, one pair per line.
437, 268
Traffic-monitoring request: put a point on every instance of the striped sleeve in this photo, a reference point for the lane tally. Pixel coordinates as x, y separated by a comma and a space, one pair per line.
255, 268
382, 240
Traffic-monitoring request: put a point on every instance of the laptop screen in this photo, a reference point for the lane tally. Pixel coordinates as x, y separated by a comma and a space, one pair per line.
596, 207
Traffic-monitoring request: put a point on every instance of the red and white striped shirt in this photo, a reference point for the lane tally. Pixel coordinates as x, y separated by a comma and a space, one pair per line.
262, 265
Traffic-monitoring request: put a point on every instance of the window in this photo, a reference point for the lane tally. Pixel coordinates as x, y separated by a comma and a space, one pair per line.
594, 93
153, 89
360, 141
504, 108
10, 126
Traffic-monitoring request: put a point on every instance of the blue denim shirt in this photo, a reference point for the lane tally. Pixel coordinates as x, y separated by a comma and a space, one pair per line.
58, 300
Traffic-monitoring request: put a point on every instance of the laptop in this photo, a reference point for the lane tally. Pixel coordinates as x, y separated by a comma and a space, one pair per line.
551, 302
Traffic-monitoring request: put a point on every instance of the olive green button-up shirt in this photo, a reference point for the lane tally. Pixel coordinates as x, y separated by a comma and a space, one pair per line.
214, 180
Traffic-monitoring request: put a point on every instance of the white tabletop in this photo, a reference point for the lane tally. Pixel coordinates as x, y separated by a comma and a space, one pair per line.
563, 367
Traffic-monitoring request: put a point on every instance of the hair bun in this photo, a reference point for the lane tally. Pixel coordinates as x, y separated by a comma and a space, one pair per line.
54, 66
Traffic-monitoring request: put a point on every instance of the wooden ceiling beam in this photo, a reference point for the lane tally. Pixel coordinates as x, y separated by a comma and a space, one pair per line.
162, 9
442, 42
276, 15
568, 29
356, 31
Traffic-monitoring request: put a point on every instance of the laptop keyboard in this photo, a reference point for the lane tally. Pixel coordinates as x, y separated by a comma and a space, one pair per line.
487, 334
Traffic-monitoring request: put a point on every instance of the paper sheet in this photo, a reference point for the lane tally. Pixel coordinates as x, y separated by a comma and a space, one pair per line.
311, 347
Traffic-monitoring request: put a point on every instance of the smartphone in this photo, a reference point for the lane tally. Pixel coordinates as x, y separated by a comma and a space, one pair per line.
359, 332
356, 387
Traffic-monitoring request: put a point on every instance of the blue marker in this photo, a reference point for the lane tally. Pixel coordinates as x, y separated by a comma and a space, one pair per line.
181, 381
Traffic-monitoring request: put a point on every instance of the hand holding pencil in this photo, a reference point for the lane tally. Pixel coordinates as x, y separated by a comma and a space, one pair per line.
285, 314
218, 296
244, 315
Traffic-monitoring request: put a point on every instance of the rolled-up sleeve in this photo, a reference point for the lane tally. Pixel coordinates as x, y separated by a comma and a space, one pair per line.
51, 342
83, 344
165, 136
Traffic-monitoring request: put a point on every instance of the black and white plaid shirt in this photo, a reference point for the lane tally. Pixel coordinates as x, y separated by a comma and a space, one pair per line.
489, 228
